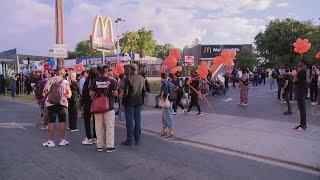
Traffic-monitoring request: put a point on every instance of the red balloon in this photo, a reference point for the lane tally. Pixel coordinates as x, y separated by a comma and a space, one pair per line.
203, 69
175, 53
318, 55
170, 62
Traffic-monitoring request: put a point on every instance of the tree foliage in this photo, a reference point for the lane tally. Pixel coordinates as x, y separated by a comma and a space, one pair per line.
246, 59
141, 42
275, 45
162, 51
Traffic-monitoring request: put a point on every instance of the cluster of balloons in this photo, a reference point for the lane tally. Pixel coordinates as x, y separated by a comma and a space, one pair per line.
226, 59
301, 46
171, 62
203, 69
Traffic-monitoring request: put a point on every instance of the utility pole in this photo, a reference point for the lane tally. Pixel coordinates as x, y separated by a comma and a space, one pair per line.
59, 28
118, 46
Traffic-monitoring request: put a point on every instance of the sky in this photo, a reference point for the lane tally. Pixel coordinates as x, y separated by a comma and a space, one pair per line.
29, 25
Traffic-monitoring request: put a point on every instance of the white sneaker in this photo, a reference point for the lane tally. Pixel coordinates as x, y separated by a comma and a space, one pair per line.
94, 140
49, 144
63, 142
74, 130
87, 141
314, 103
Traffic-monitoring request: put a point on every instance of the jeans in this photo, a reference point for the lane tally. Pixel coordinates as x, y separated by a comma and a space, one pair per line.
301, 100
279, 91
106, 119
178, 103
286, 95
167, 117
133, 123
313, 92
13, 90
122, 115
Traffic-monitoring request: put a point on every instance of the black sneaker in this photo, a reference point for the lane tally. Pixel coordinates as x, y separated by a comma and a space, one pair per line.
137, 143
127, 143
200, 114
99, 149
110, 150
287, 113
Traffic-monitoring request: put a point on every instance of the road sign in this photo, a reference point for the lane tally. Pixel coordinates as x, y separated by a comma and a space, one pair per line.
60, 51
189, 60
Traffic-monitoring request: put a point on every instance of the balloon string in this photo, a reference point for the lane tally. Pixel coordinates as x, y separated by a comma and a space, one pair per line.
201, 95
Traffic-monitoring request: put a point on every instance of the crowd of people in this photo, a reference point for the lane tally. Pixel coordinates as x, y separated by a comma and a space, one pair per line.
99, 96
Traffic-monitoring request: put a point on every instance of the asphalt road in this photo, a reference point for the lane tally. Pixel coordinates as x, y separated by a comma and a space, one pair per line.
23, 157
262, 104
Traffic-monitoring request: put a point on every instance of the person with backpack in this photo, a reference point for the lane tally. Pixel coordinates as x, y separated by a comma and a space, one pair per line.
73, 102
57, 90
134, 85
194, 87
104, 90
166, 104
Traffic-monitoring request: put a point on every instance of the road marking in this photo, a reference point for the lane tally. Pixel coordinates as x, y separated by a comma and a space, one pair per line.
15, 125
228, 99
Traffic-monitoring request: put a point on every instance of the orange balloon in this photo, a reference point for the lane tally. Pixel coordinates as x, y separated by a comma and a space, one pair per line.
318, 55
233, 53
175, 53
228, 62
119, 68
174, 70
170, 62
218, 60
301, 46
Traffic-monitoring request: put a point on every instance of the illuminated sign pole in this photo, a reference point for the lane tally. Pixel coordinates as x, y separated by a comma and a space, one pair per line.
102, 36
118, 43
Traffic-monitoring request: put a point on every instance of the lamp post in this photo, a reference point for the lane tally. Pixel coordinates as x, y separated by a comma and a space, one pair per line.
118, 46
59, 28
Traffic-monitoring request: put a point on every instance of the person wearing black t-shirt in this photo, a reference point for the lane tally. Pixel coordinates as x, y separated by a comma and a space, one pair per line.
286, 91
301, 87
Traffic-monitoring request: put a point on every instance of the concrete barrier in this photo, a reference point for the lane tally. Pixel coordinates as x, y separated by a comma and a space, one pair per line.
150, 100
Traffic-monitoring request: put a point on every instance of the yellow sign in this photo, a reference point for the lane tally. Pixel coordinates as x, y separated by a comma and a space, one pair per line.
207, 50
102, 34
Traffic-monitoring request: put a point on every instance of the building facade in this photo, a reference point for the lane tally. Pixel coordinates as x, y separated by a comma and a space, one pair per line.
208, 52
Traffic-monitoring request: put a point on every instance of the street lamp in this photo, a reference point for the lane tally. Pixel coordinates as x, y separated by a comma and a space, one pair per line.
118, 46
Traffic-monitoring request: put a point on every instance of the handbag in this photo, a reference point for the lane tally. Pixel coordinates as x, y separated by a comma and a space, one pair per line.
100, 104
164, 102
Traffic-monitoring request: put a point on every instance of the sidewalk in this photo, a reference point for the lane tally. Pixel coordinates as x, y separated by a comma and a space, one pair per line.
267, 138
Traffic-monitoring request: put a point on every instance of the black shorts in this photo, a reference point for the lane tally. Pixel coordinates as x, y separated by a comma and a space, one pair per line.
57, 110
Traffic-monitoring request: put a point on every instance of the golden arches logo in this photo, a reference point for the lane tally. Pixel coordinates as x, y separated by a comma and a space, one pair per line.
102, 34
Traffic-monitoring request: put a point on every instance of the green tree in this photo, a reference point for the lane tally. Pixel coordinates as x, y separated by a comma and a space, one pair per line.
129, 42
275, 45
246, 59
146, 44
141, 42
162, 51
84, 48
314, 39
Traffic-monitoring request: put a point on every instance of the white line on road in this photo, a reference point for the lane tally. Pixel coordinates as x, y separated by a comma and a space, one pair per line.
15, 125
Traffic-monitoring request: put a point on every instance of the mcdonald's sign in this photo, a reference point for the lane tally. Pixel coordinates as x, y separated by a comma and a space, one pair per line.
211, 51
102, 34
